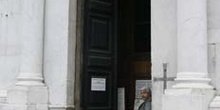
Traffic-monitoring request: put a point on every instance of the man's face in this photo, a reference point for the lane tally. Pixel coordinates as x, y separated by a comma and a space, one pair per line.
144, 94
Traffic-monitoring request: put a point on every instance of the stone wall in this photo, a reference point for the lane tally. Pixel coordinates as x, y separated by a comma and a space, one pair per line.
59, 48
10, 42
214, 41
164, 31
59, 52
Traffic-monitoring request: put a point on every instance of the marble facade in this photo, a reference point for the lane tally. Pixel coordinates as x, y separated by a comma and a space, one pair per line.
189, 26
38, 54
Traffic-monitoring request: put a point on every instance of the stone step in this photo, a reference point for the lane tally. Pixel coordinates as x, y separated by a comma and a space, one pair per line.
3, 96
5, 106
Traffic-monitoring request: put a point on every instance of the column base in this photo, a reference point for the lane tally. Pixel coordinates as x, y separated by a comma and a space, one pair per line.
30, 79
28, 98
215, 104
187, 99
29, 83
187, 80
3, 96
192, 85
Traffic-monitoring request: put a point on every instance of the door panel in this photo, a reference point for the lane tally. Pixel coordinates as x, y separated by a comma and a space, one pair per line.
100, 38
99, 56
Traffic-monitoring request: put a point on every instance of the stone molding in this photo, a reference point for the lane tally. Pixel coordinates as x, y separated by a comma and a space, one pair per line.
215, 104
28, 79
192, 80
62, 107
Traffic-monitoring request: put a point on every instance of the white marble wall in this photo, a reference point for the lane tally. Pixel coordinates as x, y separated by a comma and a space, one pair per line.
10, 44
163, 45
59, 48
59, 52
55, 52
214, 41
164, 26
60, 44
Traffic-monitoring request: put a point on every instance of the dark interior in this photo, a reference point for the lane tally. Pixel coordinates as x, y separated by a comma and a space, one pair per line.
134, 46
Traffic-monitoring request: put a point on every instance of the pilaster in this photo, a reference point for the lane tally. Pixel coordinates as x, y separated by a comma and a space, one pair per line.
32, 43
192, 89
29, 92
192, 45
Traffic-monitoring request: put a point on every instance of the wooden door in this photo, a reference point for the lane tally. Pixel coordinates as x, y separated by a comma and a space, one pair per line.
99, 56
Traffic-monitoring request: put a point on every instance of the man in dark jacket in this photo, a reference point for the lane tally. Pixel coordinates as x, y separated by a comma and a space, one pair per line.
146, 96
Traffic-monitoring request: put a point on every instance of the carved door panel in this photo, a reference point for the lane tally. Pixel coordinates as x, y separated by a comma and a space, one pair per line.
99, 56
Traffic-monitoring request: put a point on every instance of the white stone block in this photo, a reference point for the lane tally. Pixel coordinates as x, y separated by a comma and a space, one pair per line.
3, 106
3, 96
14, 107
214, 108
187, 99
38, 95
183, 102
17, 95
31, 107
42, 107
215, 104
23, 107
28, 95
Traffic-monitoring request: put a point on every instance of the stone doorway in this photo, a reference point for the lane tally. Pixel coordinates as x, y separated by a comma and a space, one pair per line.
133, 48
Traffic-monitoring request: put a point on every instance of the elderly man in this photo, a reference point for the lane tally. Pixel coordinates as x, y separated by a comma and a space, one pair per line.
146, 96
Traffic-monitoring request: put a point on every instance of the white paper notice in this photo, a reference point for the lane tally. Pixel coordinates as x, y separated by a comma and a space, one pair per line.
121, 99
98, 84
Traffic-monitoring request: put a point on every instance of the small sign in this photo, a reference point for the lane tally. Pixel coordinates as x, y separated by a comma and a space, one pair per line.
98, 84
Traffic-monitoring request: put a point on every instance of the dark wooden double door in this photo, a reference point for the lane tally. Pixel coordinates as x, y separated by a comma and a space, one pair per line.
109, 61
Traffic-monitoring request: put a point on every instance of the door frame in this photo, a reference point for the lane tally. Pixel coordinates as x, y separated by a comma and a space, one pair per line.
79, 53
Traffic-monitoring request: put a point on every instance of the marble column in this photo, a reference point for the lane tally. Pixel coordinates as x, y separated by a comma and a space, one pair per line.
32, 43
192, 89
192, 45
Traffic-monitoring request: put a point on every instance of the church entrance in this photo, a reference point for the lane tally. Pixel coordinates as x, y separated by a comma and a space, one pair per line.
116, 51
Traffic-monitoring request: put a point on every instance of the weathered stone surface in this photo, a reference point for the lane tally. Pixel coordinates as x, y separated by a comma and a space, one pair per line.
28, 95
187, 99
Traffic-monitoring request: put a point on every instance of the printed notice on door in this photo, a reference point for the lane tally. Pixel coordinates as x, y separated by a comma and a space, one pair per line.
98, 84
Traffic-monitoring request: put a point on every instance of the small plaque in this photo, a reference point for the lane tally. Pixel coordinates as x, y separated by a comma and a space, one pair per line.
98, 84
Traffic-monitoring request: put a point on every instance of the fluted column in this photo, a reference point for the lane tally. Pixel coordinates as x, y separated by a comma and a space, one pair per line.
32, 43
192, 44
